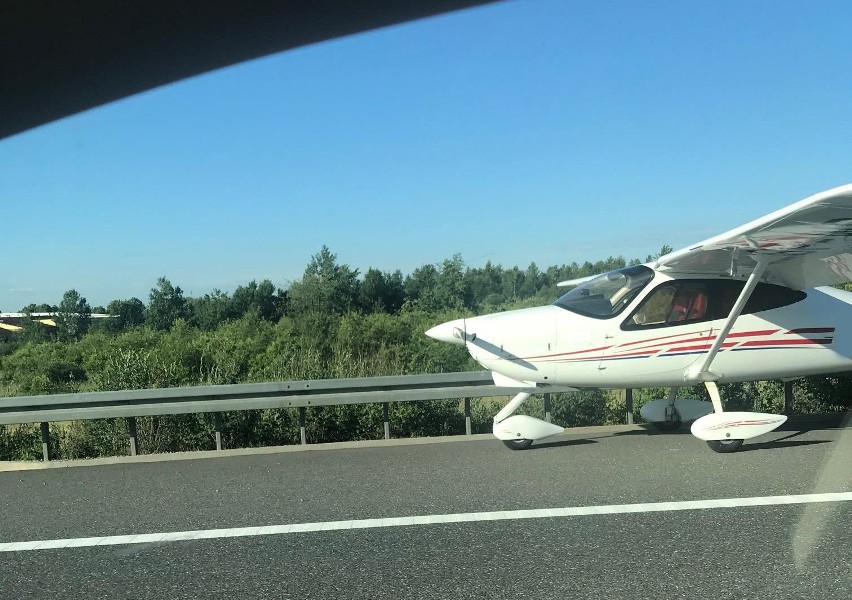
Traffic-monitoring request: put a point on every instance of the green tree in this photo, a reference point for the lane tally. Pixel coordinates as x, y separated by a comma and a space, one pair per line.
533, 280
432, 289
211, 310
382, 292
262, 298
327, 288
74, 317
166, 305
419, 283
125, 314
37, 308
512, 283
485, 285
450, 291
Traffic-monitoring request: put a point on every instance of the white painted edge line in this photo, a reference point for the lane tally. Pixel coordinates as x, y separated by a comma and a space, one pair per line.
507, 515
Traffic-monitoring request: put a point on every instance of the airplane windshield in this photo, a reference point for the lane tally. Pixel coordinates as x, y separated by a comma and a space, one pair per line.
608, 294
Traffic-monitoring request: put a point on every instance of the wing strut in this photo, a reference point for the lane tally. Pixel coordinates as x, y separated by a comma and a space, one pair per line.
726, 431
701, 371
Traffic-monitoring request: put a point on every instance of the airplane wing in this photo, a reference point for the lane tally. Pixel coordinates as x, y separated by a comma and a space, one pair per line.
578, 281
808, 244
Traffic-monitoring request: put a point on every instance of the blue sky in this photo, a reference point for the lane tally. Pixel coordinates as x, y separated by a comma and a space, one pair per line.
546, 131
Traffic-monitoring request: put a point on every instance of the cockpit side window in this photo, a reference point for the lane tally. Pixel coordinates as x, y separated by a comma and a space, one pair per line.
607, 295
694, 300
655, 310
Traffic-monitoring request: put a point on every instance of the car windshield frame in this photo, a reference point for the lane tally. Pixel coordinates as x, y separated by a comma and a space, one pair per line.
607, 295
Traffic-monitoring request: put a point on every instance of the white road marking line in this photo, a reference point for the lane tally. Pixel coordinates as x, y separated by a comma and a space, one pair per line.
501, 515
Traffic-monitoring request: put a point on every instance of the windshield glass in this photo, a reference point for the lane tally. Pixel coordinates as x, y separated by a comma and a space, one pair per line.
608, 294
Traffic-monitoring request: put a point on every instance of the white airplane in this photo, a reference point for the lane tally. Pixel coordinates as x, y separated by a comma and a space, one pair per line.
741, 306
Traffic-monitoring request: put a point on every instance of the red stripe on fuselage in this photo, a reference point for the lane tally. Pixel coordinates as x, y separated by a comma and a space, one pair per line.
701, 338
668, 343
665, 337
701, 347
637, 353
653, 348
751, 333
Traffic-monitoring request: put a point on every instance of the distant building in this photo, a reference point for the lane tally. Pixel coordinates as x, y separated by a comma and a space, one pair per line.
12, 322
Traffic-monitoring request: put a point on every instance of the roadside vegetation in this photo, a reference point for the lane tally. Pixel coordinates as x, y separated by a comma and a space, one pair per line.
332, 322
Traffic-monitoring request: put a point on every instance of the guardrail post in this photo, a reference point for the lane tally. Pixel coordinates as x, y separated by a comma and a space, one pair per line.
386, 418
302, 425
45, 441
217, 426
131, 429
548, 408
628, 400
467, 427
788, 398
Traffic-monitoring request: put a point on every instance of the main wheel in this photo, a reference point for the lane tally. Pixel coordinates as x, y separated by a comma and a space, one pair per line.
725, 446
518, 444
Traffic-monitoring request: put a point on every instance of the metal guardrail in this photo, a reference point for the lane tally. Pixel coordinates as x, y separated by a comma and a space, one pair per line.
248, 396
217, 399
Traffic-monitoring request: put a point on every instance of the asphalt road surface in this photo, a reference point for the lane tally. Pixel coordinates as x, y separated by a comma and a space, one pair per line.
775, 550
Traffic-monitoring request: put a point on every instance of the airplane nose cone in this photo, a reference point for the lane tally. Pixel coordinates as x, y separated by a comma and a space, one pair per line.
451, 332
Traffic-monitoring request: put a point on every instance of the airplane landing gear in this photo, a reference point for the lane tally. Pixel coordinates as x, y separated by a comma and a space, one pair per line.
518, 444
724, 446
725, 432
673, 420
518, 432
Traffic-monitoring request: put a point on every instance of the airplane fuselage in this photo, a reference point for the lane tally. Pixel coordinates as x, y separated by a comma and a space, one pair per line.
741, 306
808, 335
